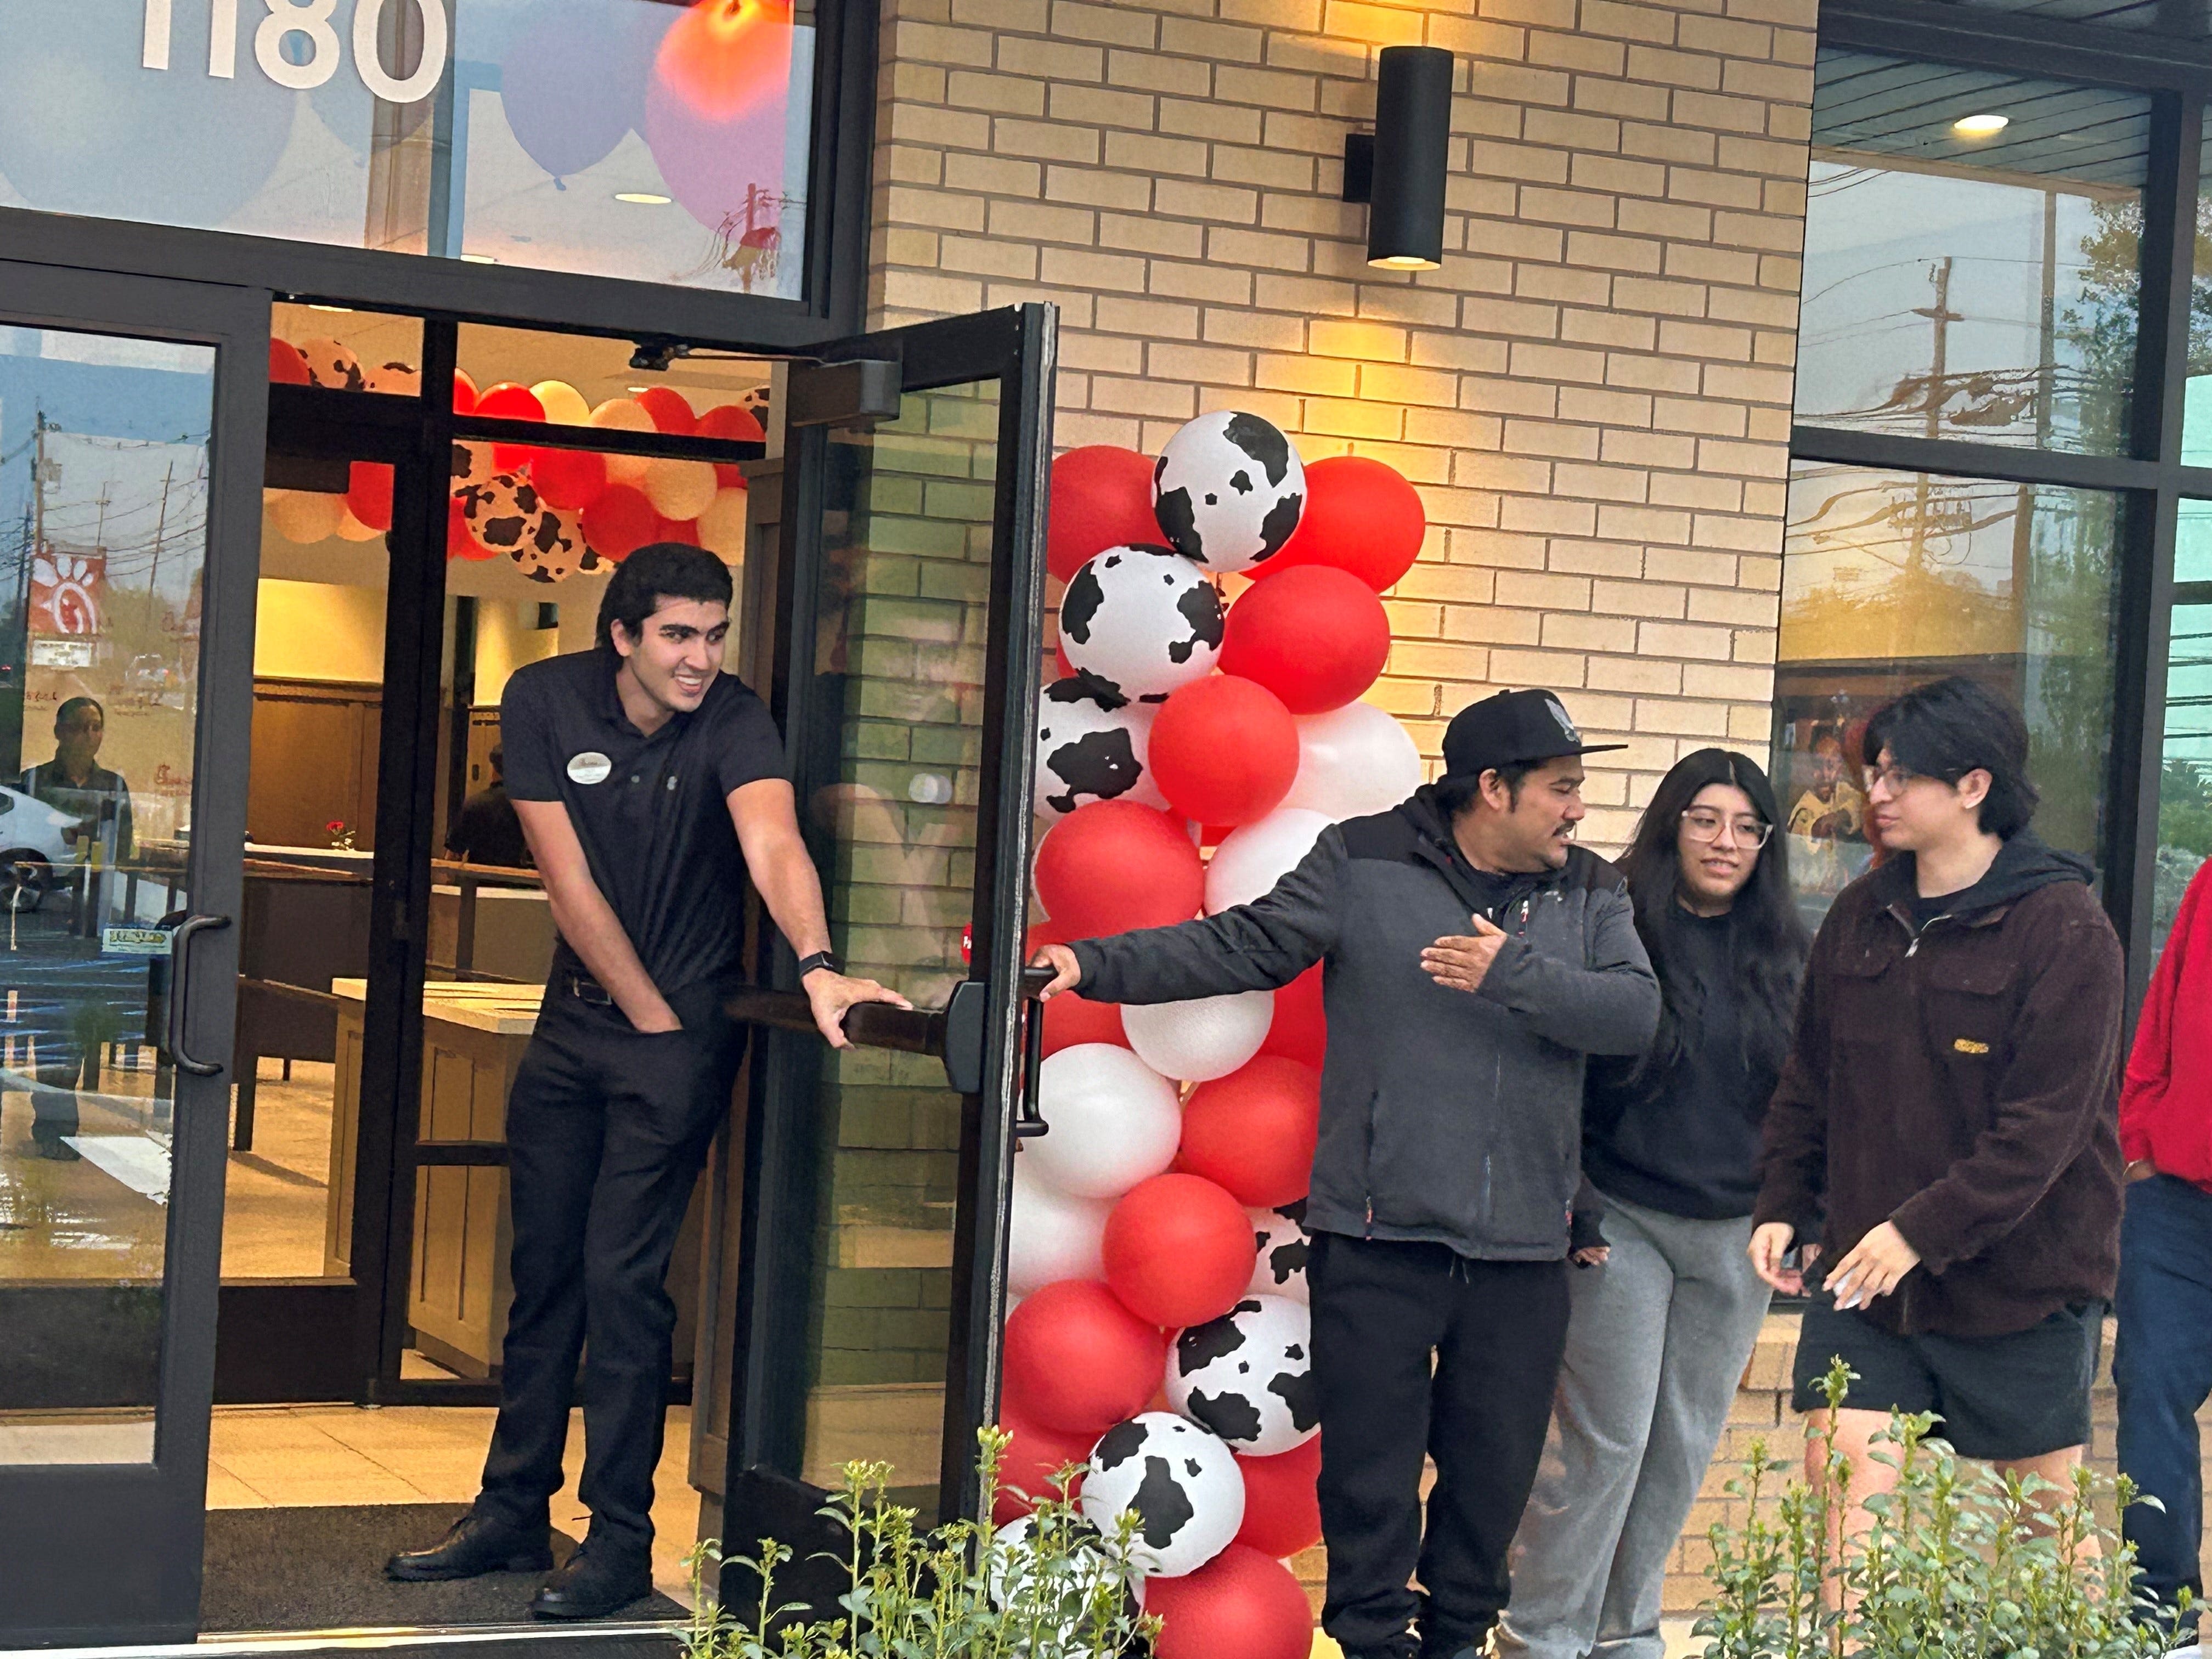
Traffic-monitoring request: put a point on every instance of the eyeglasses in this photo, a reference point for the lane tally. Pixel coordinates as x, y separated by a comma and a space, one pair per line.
1893, 775
1702, 823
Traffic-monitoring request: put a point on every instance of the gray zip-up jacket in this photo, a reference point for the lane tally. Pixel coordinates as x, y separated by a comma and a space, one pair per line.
1445, 1118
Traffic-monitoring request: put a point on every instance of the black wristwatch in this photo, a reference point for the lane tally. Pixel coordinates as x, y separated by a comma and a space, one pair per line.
819, 959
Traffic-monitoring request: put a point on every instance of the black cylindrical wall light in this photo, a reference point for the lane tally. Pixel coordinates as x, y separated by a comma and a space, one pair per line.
1413, 126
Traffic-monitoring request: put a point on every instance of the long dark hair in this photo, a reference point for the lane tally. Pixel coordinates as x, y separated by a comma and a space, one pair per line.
1767, 938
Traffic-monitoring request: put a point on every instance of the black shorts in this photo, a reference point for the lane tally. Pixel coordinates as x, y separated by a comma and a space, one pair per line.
2003, 1398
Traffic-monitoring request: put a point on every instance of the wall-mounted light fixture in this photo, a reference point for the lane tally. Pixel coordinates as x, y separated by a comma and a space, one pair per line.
1399, 168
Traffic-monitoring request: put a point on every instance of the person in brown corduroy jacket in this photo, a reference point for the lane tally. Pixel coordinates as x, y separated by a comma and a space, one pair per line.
1946, 1121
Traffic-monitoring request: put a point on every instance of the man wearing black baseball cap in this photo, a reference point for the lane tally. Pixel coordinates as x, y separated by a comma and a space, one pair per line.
1475, 957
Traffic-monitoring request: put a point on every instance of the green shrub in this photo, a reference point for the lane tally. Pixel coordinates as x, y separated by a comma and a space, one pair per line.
1960, 1562
960, 1592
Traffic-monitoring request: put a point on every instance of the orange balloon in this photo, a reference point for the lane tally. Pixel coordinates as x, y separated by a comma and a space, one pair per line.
717, 58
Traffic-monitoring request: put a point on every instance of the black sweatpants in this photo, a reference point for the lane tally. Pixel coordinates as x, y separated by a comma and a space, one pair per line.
607, 1127
1418, 1351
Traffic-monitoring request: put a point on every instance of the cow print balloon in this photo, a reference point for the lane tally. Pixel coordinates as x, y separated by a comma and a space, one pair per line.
1140, 621
1228, 490
506, 515
1061, 1597
1281, 1268
1091, 744
1247, 1376
331, 363
1181, 1483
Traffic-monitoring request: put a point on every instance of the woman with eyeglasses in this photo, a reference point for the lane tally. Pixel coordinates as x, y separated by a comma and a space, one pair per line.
1661, 1328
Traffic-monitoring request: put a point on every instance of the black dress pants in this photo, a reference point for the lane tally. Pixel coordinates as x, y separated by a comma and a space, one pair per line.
1417, 1351
607, 1128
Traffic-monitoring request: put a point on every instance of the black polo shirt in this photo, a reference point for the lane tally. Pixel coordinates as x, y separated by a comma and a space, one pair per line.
650, 811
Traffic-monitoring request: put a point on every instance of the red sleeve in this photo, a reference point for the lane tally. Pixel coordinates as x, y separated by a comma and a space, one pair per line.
2165, 1101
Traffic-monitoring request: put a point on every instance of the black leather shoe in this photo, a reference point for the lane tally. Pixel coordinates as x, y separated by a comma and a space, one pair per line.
473, 1545
594, 1583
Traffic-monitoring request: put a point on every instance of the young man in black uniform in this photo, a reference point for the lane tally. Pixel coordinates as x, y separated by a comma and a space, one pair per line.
651, 787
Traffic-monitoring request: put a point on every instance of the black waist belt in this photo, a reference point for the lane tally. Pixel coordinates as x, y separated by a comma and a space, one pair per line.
585, 988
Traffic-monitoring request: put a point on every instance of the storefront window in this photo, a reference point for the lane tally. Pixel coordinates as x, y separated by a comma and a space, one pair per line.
1891, 580
2197, 391
623, 138
1971, 255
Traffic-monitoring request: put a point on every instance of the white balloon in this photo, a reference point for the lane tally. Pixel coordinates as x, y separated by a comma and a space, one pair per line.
1228, 490
1114, 1121
678, 489
1198, 1041
1280, 1269
1062, 1598
1143, 620
563, 404
1250, 861
722, 526
624, 415
308, 515
1088, 749
1247, 1376
1182, 1482
1353, 762
1053, 1236
351, 529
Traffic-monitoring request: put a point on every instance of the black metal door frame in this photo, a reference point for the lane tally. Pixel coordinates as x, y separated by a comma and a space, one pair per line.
111, 1553
1016, 349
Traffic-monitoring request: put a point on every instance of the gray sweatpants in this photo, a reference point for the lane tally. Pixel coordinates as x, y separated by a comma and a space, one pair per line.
1657, 1341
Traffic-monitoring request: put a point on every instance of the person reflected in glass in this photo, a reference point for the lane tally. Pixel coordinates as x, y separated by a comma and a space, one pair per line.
99, 803
488, 829
1662, 1326
1829, 815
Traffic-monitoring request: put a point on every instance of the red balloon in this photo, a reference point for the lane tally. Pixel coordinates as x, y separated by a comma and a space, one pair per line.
685, 531
1240, 1605
619, 522
1101, 497
1300, 1031
715, 56
1034, 1456
1225, 751
1317, 638
369, 494
1361, 516
1077, 1361
509, 401
286, 366
669, 410
1282, 1501
465, 393
569, 478
1178, 1250
1114, 865
1070, 1019
732, 421
1252, 1131
459, 543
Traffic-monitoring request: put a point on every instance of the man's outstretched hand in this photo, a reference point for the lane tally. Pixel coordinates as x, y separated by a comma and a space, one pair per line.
1066, 971
1461, 962
830, 994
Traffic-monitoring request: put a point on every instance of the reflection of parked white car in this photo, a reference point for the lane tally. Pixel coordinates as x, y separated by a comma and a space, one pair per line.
33, 838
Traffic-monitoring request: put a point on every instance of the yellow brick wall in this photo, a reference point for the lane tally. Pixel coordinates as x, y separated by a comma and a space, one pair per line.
1592, 395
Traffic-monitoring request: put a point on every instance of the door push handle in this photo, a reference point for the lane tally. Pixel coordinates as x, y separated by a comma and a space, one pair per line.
179, 979
964, 1046
1029, 1116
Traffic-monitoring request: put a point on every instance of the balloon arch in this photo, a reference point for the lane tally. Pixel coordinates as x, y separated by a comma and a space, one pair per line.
1157, 1262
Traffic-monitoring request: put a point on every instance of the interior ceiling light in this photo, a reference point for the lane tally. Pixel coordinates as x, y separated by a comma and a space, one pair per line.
643, 197
1980, 126
478, 259
347, 310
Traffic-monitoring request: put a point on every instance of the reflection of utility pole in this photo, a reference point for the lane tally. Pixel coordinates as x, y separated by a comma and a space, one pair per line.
2047, 383
154, 570
1942, 317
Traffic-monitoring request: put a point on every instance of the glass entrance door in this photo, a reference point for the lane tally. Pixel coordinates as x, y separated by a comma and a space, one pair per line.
130, 415
909, 592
